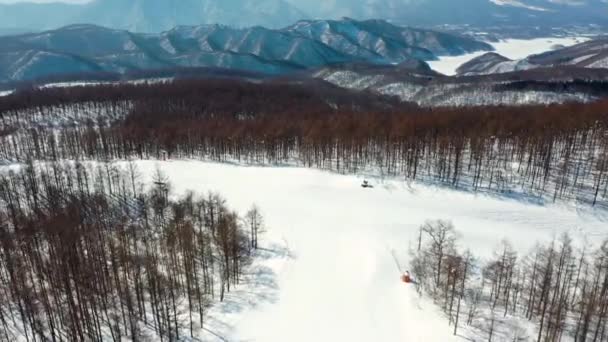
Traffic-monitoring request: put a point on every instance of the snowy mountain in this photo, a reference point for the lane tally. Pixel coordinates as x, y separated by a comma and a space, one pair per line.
428, 88
161, 15
149, 16
492, 63
155, 16
527, 13
385, 40
88, 48
590, 54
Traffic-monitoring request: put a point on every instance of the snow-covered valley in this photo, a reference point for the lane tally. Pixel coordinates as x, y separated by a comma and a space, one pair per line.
334, 250
326, 272
510, 48
511, 75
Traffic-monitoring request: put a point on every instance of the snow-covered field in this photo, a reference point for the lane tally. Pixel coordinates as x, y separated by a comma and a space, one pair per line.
327, 274
95, 83
510, 48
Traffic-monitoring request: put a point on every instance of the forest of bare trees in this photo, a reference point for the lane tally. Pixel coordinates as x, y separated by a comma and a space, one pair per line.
558, 290
87, 253
557, 151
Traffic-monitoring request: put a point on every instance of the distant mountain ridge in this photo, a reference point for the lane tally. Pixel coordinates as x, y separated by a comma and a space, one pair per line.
149, 16
161, 15
412, 83
524, 13
590, 54
308, 44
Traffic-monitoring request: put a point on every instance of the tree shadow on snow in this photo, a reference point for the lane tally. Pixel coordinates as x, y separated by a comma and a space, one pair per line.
580, 202
257, 287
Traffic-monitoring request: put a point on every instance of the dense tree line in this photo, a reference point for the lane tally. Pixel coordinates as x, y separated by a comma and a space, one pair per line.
559, 151
141, 76
89, 254
558, 288
597, 88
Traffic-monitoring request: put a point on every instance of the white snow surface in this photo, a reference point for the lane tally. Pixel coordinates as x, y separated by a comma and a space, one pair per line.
510, 48
601, 63
515, 3
326, 271
96, 83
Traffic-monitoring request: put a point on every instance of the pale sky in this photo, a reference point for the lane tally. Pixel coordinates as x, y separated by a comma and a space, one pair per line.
40, 1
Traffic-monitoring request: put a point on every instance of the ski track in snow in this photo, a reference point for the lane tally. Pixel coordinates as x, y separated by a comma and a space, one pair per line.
510, 48
326, 272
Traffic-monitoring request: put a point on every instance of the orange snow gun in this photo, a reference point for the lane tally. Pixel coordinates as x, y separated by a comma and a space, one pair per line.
406, 278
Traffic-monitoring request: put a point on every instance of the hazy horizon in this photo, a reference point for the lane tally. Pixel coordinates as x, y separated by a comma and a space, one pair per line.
45, 1
162, 15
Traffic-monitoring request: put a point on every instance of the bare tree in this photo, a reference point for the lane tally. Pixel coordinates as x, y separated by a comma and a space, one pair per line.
255, 222
442, 239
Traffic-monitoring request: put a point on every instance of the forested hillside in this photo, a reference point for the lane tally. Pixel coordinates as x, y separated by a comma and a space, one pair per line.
556, 291
89, 254
557, 151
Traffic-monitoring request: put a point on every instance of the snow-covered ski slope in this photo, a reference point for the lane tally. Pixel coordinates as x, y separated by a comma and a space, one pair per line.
327, 274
